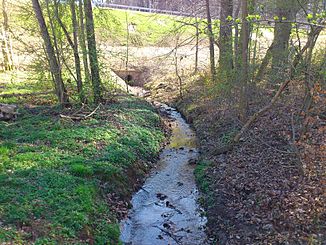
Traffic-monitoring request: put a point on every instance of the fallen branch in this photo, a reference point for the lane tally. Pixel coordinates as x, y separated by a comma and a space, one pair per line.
93, 112
251, 120
83, 117
166, 232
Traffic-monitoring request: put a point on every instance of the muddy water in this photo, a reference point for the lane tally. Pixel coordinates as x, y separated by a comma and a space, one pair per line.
165, 210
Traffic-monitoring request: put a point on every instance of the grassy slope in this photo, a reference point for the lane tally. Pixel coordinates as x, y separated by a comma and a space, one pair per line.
51, 171
149, 28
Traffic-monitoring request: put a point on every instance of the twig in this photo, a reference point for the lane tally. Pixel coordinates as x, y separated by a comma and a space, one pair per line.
169, 234
293, 128
92, 113
81, 117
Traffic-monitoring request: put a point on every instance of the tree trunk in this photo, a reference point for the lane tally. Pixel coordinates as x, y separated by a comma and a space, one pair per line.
236, 39
76, 54
92, 52
225, 40
211, 42
82, 41
197, 45
54, 67
264, 64
6, 46
73, 44
280, 65
55, 38
244, 61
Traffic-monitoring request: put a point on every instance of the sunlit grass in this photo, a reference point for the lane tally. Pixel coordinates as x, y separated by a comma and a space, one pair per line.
51, 170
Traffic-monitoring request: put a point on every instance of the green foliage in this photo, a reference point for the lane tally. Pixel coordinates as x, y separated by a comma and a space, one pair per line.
200, 173
51, 170
204, 182
227, 137
81, 170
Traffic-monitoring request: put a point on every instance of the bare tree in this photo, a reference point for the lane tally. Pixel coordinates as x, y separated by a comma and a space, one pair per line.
244, 61
53, 62
285, 10
75, 48
6, 40
92, 52
225, 39
211, 41
82, 41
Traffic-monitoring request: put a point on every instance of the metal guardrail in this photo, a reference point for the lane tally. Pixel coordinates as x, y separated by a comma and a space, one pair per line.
140, 9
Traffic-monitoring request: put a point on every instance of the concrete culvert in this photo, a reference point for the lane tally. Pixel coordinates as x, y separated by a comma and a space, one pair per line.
133, 76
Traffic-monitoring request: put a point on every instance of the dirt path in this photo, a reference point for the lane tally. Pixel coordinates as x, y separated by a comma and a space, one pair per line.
165, 210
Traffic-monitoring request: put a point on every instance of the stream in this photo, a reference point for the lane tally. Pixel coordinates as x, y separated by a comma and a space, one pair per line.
165, 210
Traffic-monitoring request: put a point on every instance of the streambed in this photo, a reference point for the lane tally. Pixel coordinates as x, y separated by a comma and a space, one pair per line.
165, 209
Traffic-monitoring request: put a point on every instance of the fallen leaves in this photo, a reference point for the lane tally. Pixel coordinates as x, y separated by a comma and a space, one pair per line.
257, 192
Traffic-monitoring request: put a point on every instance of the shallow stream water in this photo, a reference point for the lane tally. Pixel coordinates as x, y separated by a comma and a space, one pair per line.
165, 210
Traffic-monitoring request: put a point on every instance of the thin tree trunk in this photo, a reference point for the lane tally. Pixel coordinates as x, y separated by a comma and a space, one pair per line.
54, 35
127, 47
76, 54
264, 64
54, 67
244, 61
82, 41
310, 44
177, 70
73, 44
225, 39
197, 45
92, 52
6, 47
236, 39
211, 42
254, 56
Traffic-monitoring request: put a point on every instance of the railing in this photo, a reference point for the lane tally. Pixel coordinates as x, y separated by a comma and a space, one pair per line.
140, 9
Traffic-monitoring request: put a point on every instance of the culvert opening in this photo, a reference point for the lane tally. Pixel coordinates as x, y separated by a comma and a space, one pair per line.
133, 77
129, 78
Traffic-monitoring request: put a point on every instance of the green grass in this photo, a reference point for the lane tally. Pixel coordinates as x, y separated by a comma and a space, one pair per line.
149, 28
204, 183
20, 82
51, 171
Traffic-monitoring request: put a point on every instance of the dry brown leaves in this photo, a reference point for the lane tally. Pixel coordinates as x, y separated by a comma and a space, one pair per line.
257, 193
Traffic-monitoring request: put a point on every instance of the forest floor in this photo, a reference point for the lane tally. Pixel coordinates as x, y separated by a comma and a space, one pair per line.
261, 192
269, 189
67, 177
